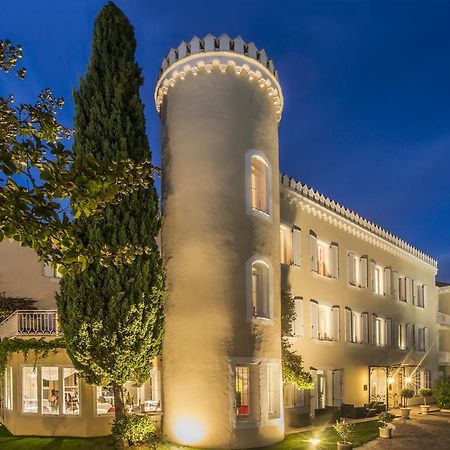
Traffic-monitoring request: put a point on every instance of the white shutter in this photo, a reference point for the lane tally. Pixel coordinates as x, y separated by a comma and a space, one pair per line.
348, 325
336, 327
408, 289
351, 268
425, 333
387, 281
48, 271
416, 338
396, 337
409, 331
334, 260
424, 295
313, 251
365, 327
314, 319
296, 249
337, 387
298, 323
363, 271
395, 285
415, 287
388, 332
374, 329
372, 275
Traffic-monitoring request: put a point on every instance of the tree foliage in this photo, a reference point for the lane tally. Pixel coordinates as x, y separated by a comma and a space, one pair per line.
10, 304
293, 370
441, 392
112, 317
41, 189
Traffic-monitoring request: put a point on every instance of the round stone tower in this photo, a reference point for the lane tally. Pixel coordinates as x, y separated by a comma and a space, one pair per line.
220, 102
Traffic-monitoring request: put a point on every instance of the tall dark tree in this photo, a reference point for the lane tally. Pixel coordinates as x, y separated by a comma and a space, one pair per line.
112, 317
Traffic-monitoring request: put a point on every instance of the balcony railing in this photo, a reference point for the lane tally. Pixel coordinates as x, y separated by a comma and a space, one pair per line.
444, 358
30, 323
443, 319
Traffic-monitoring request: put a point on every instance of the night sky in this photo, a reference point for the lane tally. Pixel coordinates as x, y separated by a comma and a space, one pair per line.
366, 85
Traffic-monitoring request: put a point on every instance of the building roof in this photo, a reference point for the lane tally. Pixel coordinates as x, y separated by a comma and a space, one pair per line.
331, 205
442, 284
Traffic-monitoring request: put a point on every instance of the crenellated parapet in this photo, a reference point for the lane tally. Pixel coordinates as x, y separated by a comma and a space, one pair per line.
224, 54
309, 197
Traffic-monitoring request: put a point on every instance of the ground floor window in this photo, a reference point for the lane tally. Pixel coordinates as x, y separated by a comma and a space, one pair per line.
293, 397
242, 389
50, 390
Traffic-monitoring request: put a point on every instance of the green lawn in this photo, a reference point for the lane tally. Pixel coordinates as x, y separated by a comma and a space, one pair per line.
365, 432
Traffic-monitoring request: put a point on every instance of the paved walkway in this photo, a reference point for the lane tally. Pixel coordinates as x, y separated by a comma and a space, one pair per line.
430, 432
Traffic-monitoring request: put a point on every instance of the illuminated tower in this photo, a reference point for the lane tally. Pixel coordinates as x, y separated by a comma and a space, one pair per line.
220, 103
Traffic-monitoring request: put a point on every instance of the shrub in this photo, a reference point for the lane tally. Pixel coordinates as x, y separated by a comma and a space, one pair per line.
424, 393
135, 429
406, 393
345, 430
442, 393
385, 418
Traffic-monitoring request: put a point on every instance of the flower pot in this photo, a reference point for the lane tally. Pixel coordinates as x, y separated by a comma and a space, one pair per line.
385, 432
425, 409
344, 446
405, 412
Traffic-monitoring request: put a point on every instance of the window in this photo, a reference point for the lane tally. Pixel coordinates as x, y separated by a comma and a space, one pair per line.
419, 294
363, 262
261, 290
353, 269
388, 332
402, 288
290, 245
324, 257
409, 336
425, 379
273, 381
105, 400
258, 181
292, 396
353, 326
50, 390
8, 388
324, 322
29, 390
398, 335
387, 281
71, 388
378, 334
376, 273
242, 389
421, 344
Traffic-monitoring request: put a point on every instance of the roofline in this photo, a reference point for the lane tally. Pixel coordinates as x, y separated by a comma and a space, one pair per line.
348, 214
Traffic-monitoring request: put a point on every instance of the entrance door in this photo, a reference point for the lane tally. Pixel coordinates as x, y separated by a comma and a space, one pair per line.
320, 391
337, 387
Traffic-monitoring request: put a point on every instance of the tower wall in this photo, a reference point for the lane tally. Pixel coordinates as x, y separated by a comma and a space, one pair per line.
212, 118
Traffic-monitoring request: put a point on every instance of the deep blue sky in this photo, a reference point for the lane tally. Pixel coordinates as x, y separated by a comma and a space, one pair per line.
366, 86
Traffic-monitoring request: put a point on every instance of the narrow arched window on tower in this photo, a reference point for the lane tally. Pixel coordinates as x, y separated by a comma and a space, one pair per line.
260, 195
260, 290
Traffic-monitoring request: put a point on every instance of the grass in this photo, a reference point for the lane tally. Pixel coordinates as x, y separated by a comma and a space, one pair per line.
365, 432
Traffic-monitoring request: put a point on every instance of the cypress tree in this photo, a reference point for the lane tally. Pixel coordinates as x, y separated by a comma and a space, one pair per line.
112, 317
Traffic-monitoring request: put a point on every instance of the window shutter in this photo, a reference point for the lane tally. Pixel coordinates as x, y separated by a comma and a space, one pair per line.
348, 325
408, 289
334, 260
298, 323
296, 249
365, 327
395, 285
48, 271
388, 332
387, 281
363, 271
351, 268
313, 251
374, 329
409, 330
314, 319
372, 275
416, 338
425, 338
336, 328
424, 296
415, 288
396, 337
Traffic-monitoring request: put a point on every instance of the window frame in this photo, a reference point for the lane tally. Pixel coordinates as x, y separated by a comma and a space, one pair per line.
251, 317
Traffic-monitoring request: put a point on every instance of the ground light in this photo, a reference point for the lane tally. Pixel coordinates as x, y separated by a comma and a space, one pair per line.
314, 442
188, 431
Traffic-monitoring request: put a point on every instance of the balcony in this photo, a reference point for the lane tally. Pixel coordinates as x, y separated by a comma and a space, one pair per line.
444, 358
443, 319
30, 323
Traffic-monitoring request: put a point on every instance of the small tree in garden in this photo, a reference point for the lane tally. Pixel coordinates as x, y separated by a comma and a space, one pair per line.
345, 430
424, 393
406, 394
441, 393
385, 418
112, 317
293, 370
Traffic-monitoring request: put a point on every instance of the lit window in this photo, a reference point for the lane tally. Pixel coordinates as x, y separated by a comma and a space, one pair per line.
324, 322
378, 289
323, 259
285, 245
71, 386
259, 185
50, 390
353, 269
379, 335
273, 375
324, 256
260, 290
29, 390
105, 400
8, 388
242, 390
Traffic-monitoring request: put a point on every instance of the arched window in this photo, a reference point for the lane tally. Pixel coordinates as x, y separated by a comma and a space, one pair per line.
258, 184
261, 290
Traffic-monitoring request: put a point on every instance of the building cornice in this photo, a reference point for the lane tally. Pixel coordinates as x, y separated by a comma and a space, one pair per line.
443, 290
224, 54
316, 203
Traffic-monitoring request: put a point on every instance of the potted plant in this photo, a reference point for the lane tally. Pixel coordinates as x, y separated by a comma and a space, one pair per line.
345, 431
424, 393
385, 418
405, 394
